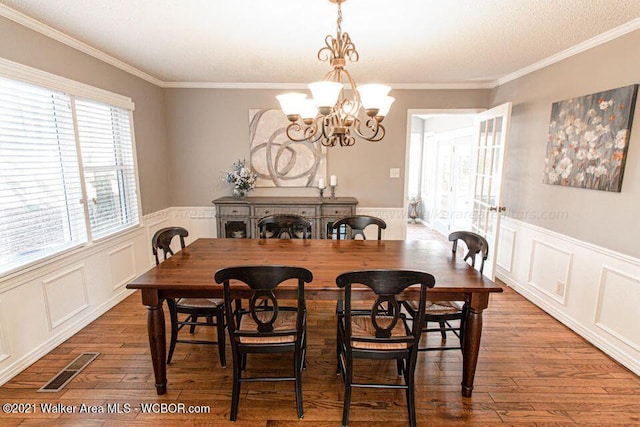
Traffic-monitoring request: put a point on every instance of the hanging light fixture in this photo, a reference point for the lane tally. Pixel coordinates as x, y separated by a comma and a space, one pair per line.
331, 116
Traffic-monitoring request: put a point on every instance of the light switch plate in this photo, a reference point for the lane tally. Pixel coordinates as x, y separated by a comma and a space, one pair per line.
394, 173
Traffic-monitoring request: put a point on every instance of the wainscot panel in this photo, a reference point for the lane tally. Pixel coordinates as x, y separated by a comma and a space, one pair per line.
592, 290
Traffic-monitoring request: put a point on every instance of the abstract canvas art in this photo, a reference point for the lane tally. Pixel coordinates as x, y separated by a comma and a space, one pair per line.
589, 138
278, 161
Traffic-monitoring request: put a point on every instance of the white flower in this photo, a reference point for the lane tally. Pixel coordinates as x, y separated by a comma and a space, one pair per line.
592, 113
581, 155
599, 171
590, 136
592, 154
552, 177
564, 167
604, 105
561, 136
597, 120
570, 130
621, 138
591, 170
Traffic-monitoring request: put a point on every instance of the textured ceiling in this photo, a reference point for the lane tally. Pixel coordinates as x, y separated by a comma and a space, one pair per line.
275, 41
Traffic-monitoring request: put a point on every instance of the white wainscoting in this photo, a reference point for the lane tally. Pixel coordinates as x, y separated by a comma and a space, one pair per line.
44, 305
396, 219
65, 295
592, 290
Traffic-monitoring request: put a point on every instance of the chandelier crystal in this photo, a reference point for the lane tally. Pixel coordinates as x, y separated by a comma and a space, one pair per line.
331, 116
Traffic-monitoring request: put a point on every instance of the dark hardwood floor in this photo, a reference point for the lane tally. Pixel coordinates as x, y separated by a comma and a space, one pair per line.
532, 371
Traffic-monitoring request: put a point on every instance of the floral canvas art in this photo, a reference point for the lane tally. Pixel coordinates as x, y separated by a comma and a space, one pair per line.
589, 138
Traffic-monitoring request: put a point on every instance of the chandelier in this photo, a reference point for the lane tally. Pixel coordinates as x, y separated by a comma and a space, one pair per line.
331, 115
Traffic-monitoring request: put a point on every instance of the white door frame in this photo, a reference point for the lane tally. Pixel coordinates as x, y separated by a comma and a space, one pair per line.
413, 112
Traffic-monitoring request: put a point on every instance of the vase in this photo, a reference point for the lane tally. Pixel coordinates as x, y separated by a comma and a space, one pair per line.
239, 193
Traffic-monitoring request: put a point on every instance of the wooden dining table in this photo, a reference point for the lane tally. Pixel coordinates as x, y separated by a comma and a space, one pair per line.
189, 273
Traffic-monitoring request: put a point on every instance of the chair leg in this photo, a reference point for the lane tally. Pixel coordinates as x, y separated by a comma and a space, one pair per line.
192, 329
443, 332
235, 393
173, 314
338, 347
400, 366
409, 381
347, 394
221, 336
297, 366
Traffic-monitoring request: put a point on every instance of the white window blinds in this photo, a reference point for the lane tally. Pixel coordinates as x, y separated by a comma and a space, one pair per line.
40, 192
109, 169
41, 175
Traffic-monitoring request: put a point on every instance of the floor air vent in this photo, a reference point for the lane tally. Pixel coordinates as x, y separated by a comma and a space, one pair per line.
69, 372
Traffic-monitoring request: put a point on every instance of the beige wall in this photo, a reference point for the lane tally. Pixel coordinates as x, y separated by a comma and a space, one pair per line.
603, 218
22, 45
208, 129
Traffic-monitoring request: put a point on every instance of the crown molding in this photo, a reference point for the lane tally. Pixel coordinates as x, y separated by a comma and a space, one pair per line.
50, 32
605, 37
303, 86
57, 35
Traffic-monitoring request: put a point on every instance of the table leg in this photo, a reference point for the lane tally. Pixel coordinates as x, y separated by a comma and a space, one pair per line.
471, 342
158, 345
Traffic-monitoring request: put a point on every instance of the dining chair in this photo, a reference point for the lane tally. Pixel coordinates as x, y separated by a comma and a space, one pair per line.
284, 227
194, 308
382, 334
266, 326
444, 312
356, 225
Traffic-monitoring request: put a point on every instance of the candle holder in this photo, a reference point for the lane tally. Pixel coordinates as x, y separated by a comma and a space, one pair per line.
321, 193
333, 191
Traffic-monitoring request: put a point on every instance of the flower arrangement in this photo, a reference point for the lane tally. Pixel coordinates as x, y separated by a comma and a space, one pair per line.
242, 178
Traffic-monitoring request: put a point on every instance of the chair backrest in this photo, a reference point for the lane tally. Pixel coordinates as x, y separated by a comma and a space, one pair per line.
264, 308
358, 223
284, 227
162, 240
476, 244
387, 285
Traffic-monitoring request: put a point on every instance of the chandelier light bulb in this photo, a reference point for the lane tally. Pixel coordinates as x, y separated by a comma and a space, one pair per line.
325, 94
291, 104
309, 111
386, 106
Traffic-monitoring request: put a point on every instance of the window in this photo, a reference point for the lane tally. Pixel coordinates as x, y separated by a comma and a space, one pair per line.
47, 152
109, 172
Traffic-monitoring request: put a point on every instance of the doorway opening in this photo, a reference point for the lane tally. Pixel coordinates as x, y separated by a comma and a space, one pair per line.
440, 173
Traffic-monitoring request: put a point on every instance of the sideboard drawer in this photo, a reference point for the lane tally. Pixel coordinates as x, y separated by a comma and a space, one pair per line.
234, 210
337, 211
263, 211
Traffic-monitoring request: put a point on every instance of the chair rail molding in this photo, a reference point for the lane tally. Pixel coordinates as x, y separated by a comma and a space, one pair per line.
600, 286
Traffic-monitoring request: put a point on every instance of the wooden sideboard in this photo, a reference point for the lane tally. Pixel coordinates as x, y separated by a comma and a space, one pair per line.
237, 218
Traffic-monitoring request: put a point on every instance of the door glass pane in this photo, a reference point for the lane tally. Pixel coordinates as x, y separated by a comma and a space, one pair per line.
481, 160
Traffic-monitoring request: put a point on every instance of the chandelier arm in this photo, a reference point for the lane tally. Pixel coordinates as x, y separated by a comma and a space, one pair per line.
377, 129
308, 132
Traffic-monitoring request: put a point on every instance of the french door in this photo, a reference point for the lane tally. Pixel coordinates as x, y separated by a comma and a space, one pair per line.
492, 133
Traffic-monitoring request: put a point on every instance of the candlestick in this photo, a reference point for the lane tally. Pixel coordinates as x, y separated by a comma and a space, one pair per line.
333, 191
